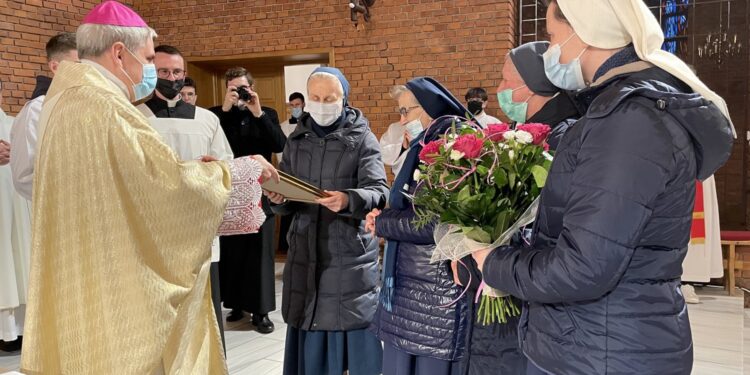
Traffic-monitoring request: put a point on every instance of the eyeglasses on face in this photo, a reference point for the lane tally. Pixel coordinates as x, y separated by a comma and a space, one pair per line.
404, 111
177, 73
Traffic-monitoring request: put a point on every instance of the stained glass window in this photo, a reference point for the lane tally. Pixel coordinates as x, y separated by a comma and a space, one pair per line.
673, 16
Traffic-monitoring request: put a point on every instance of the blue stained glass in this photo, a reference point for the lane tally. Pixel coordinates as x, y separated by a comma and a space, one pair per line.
674, 23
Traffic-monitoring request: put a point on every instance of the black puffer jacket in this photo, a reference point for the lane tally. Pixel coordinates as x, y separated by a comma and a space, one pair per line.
331, 272
602, 279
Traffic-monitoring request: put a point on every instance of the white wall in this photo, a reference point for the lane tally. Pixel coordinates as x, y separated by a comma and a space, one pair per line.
295, 78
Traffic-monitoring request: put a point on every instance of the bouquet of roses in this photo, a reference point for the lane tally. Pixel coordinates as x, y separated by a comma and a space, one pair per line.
481, 186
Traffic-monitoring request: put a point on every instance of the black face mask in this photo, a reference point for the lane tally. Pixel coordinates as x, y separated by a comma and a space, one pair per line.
168, 88
475, 107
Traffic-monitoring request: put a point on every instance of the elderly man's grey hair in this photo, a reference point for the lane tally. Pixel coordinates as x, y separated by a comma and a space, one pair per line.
94, 40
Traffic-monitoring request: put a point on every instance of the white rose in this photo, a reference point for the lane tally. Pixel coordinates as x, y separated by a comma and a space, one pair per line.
417, 174
456, 155
509, 135
524, 137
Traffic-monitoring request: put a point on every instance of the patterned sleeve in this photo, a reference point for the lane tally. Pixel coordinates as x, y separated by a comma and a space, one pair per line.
243, 213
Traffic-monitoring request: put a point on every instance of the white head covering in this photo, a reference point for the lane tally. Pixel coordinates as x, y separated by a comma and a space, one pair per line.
611, 24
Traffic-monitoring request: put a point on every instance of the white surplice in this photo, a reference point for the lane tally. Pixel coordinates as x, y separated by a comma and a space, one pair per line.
704, 260
191, 139
15, 242
23, 139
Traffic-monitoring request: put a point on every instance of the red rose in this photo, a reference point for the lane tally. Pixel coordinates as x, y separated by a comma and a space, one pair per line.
429, 151
538, 131
495, 131
470, 145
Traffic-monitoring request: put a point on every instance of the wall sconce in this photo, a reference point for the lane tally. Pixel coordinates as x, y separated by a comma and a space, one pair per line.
360, 7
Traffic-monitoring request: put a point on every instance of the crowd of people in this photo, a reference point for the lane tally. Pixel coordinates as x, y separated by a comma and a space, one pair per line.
149, 214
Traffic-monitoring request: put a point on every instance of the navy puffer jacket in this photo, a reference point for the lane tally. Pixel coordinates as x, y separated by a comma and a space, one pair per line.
423, 321
602, 279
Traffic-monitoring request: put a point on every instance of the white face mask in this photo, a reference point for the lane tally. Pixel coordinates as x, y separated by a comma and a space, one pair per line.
325, 114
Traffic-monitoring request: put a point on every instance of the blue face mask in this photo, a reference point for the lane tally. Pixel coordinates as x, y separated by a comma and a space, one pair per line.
414, 128
565, 76
296, 112
514, 110
148, 80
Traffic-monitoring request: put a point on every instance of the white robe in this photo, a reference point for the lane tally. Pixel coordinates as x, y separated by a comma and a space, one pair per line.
191, 139
391, 144
484, 119
704, 260
15, 242
23, 140
287, 128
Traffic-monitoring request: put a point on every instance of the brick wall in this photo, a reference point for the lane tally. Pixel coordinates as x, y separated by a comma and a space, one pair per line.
25, 27
460, 42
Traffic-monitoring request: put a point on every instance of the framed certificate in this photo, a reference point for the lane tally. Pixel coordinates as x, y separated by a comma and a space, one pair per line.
294, 189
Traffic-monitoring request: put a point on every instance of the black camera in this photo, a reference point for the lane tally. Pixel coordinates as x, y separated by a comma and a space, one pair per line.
244, 94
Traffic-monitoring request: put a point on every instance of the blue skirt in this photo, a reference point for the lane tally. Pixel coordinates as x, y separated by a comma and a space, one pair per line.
398, 362
332, 352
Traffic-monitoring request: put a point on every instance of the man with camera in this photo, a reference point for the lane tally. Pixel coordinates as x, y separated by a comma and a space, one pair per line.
246, 268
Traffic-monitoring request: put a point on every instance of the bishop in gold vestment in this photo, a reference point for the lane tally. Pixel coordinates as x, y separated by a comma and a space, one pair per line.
122, 233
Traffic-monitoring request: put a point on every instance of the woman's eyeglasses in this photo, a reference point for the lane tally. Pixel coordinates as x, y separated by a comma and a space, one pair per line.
405, 110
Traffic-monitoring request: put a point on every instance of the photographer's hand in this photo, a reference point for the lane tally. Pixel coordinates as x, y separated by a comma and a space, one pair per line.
230, 99
254, 104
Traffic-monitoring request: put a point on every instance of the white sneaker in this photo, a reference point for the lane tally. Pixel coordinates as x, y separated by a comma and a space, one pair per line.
689, 293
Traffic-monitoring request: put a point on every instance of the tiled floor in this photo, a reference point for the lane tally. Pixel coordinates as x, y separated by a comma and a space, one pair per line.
718, 324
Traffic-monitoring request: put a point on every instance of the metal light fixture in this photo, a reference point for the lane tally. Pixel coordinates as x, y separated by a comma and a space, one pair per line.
720, 45
360, 7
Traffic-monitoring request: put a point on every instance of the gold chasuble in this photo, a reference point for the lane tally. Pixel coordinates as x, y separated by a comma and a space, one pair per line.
121, 245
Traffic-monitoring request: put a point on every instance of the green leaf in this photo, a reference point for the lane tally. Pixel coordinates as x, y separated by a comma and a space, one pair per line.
463, 195
482, 170
540, 175
501, 177
502, 222
477, 234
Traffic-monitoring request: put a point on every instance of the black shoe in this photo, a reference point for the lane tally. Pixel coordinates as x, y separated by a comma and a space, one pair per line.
235, 315
262, 323
11, 346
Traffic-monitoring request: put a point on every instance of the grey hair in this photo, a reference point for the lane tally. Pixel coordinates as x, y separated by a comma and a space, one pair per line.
397, 91
328, 76
93, 40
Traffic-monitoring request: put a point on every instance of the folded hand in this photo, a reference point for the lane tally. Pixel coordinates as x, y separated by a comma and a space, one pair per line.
480, 256
336, 201
370, 221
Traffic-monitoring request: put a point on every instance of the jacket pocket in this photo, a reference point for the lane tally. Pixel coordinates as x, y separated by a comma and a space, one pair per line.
560, 317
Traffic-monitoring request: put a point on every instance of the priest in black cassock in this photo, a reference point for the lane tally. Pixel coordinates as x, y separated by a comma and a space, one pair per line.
246, 268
